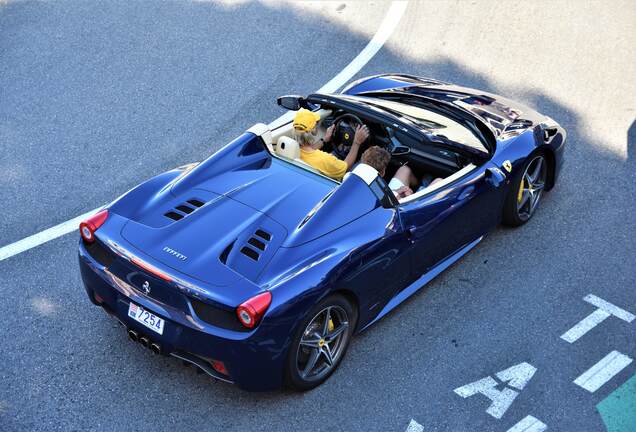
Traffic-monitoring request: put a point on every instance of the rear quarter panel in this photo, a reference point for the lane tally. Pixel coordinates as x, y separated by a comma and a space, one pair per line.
351, 260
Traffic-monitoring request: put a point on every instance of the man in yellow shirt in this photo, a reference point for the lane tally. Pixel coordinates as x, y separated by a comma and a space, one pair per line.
304, 127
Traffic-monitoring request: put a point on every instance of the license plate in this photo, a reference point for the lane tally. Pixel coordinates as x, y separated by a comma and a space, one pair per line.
152, 321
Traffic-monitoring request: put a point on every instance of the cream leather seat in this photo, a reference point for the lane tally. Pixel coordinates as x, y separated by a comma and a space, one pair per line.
290, 149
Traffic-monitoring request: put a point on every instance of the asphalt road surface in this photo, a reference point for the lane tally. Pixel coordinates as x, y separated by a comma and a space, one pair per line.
98, 96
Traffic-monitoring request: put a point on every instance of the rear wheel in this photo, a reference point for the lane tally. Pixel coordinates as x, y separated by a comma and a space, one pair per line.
320, 343
526, 191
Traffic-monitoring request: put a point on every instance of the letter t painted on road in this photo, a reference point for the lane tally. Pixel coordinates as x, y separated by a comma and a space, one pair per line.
605, 310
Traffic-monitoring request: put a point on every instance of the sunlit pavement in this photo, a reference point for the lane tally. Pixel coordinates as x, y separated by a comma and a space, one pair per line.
98, 96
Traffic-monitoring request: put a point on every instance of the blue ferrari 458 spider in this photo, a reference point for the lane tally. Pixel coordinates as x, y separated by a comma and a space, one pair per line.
258, 269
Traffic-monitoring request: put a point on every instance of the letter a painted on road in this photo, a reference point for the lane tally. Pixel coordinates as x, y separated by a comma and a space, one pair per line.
516, 376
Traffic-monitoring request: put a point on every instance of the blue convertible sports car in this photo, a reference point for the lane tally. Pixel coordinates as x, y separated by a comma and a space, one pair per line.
259, 270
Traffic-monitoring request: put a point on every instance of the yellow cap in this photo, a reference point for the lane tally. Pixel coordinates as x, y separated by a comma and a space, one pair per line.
305, 120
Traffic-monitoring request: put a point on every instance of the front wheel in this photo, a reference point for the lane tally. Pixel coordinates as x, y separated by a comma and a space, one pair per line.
525, 193
320, 343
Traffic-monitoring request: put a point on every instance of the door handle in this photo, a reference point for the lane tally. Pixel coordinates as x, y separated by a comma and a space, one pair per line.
467, 192
495, 176
411, 233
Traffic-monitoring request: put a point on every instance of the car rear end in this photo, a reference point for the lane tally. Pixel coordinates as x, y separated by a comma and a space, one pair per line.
173, 314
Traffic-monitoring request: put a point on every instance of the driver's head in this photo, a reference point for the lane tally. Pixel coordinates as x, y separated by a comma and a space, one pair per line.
377, 157
305, 126
305, 120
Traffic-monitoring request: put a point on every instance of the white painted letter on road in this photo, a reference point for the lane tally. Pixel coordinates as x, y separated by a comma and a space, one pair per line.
605, 310
516, 376
414, 427
528, 424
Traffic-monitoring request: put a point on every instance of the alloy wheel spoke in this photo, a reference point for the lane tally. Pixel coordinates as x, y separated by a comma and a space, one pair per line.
337, 332
538, 186
325, 328
528, 179
311, 362
326, 350
537, 169
311, 343
524, 198
535, 200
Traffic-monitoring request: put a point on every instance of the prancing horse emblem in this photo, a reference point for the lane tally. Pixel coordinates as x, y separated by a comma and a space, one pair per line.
146, 287
507, 165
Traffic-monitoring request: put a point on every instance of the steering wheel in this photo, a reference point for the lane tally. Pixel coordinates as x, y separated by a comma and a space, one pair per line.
343, 133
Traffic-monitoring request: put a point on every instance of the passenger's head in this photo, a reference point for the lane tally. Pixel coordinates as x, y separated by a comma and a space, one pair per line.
305, 126
377, 157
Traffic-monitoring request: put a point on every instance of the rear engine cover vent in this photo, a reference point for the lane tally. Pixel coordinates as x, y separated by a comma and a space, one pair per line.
182, 210
264, 235
249, 252
256, 244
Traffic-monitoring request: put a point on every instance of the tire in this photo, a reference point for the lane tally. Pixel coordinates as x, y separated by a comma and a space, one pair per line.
526, 190
313, 342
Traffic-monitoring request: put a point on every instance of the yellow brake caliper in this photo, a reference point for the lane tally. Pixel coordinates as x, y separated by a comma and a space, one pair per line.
330, 326
520, 194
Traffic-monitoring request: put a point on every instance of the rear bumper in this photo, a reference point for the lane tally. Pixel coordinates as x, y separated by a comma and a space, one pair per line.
253, 360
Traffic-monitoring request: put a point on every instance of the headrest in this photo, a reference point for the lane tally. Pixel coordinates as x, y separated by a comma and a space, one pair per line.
288, 147
366, 172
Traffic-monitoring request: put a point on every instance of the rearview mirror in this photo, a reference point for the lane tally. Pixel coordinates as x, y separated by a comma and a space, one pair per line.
290, 102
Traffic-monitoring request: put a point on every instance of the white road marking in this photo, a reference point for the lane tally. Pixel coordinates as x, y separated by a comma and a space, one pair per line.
43, 236
390, 22
605, 310
528, 424
585, 325
387, 27
414, 427
517, 376
603, 371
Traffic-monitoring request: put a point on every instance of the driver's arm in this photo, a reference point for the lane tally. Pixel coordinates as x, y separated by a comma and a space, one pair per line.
362, 133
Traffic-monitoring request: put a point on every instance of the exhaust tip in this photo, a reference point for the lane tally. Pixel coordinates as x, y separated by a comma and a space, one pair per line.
144, 341
133, 336
155, 348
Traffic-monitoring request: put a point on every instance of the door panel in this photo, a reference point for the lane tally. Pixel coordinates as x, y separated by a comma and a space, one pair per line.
444, 221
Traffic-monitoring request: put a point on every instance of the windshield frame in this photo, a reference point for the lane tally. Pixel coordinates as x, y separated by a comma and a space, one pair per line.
487, 136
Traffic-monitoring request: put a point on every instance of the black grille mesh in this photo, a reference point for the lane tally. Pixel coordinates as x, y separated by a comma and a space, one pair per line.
216, 316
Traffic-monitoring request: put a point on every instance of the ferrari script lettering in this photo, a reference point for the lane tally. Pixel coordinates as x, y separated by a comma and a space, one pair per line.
174, 253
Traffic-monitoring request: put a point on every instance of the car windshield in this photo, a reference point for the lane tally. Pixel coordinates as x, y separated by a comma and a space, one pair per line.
433, 123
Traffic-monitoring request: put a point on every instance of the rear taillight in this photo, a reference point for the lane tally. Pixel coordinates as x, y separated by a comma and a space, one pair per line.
250, 312
90, 225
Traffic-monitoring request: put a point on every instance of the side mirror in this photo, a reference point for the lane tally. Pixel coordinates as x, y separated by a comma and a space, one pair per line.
290, 102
